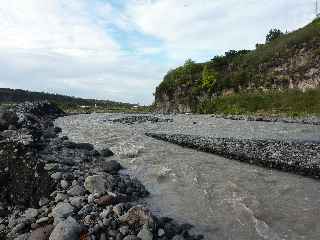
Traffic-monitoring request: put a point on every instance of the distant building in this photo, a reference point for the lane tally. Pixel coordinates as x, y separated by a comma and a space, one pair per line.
83, 106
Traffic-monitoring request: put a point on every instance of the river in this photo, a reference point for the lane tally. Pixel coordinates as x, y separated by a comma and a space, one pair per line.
224, 199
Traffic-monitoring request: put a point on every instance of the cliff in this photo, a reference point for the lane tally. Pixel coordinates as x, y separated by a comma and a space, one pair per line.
291, 61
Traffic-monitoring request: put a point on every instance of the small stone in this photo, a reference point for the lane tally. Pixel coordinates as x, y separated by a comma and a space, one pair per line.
113, 233
56, 176
105, 213
62, 210
118, 209
64, 184
105, 200
87, 219
68, 229
124, 230
42, 220
161, 232
95, 184
43, 201
76, 190
138, 215
145, 233
60, 197
106, 152
75, 183
41, 233
2, 227
19, 228
106, 222
23, 237
96, 228
91, 198
111, 166
30, 213
103, 236
76, 201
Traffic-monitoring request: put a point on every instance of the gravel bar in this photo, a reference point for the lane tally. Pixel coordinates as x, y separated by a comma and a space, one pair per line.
291, 156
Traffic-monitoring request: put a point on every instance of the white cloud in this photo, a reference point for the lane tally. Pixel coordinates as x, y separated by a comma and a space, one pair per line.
67, 46
193, 28
57, 45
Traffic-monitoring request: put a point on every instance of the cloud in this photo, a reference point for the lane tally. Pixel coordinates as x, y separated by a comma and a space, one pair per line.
120, 50
64, 46
203, 28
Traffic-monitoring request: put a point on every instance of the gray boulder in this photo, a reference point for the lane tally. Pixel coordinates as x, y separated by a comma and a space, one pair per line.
61, 211
68, 229
95, 184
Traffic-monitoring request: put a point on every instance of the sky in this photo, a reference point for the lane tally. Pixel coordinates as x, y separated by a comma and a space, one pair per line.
121, 49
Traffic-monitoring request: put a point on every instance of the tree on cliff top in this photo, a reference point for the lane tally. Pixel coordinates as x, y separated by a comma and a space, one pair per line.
273, 34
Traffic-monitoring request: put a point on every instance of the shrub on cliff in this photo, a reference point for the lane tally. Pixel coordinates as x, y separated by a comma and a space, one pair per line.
209, 78
273, 35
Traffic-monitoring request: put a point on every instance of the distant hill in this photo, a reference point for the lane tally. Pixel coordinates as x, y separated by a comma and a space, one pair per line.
8, 96
289, 62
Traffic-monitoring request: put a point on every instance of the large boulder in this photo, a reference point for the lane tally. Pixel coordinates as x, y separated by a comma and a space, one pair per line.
68, 229
7, 118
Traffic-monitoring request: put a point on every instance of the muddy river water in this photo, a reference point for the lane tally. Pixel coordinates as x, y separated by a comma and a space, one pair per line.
223, 199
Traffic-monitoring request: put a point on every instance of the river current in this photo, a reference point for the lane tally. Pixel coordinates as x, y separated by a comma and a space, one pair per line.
224, 199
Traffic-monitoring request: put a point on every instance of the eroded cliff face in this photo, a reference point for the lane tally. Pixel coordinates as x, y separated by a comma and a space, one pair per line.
289, 63
179, 102
300, 71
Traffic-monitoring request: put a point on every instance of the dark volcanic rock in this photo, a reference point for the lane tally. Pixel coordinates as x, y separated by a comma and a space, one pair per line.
111, 166
7, 119
106, 152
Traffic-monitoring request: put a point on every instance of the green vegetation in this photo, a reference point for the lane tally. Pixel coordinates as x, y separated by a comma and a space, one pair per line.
9, 97
273, 35
208, 79
246, 72
290, 103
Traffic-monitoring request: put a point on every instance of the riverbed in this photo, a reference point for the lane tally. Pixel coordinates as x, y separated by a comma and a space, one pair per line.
222, 198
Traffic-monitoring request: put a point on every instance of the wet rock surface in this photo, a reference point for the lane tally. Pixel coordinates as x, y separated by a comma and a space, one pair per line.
56, 189
297, 157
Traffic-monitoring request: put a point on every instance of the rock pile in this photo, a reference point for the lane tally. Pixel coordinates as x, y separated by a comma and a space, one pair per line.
52, 188
297, 157
141, 119
312, 120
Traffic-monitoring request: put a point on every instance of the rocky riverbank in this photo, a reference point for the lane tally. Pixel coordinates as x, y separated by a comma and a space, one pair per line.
52, 188
290, 156
312, 120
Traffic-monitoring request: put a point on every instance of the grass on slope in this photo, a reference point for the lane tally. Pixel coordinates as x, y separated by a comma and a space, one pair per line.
290, 103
